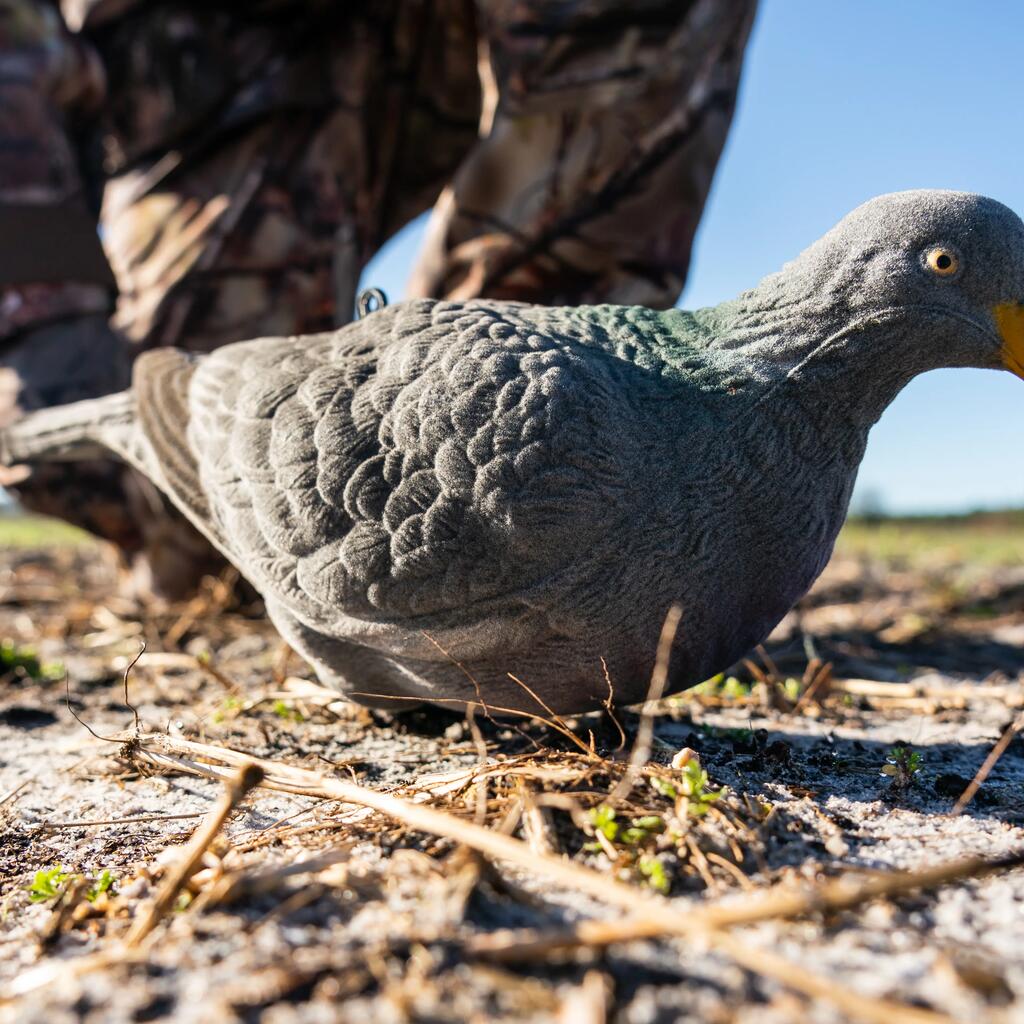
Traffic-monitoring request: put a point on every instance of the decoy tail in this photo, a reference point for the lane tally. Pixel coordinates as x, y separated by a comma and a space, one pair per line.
67, 433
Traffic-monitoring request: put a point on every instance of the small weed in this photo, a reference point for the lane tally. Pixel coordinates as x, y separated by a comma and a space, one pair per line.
735, 689
632, 843
643, 829
691, 790
636, 833
285, 711
664, 787
791, 689
902, 766
602, 818
47, 884
724, 687
24, 663
653, 871
709, 688
226, 709
694, 786
106, 881
638, 845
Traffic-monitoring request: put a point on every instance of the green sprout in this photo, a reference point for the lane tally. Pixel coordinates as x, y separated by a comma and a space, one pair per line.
602, 818
24, 663
643, 829
727, 687
902, 766
654, 874
48, 884
638, 845
664, 787
286, 712
693, 787
709, 687
227, 705
791, 689
735, 689
105, 882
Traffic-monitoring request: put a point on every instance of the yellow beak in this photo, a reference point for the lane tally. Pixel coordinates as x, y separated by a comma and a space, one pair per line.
1010, 321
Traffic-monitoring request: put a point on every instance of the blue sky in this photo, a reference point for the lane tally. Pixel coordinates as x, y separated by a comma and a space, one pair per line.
841, 101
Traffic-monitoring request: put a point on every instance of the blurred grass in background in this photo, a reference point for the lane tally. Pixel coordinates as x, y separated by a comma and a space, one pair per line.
18, 531
983, 538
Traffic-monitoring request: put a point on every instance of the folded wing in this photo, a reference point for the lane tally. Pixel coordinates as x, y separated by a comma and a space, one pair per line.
424, 468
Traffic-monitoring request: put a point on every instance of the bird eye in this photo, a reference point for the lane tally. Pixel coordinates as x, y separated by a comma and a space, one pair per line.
942, 261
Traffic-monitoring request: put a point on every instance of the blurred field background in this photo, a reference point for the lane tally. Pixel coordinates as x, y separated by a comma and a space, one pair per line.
988, 538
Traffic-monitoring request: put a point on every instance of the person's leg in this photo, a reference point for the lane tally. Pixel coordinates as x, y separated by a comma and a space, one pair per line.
602, 126
249, 183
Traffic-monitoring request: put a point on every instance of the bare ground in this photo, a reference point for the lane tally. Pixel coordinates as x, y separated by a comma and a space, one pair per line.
388, 923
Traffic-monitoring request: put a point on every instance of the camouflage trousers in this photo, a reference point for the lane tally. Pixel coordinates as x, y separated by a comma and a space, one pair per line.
244, 162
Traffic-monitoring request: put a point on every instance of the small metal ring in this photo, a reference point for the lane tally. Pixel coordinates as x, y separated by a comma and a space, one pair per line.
370, 301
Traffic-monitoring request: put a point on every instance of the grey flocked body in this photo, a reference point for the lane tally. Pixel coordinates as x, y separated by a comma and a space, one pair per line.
442, 496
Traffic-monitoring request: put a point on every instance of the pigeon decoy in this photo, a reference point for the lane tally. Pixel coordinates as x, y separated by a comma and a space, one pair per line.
465, 502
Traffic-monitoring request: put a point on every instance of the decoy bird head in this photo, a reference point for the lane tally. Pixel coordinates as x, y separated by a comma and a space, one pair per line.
907, 282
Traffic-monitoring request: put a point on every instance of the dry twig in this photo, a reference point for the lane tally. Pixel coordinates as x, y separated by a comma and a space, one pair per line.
839, 894
645, 732
989, 763
55, 826
238, 786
